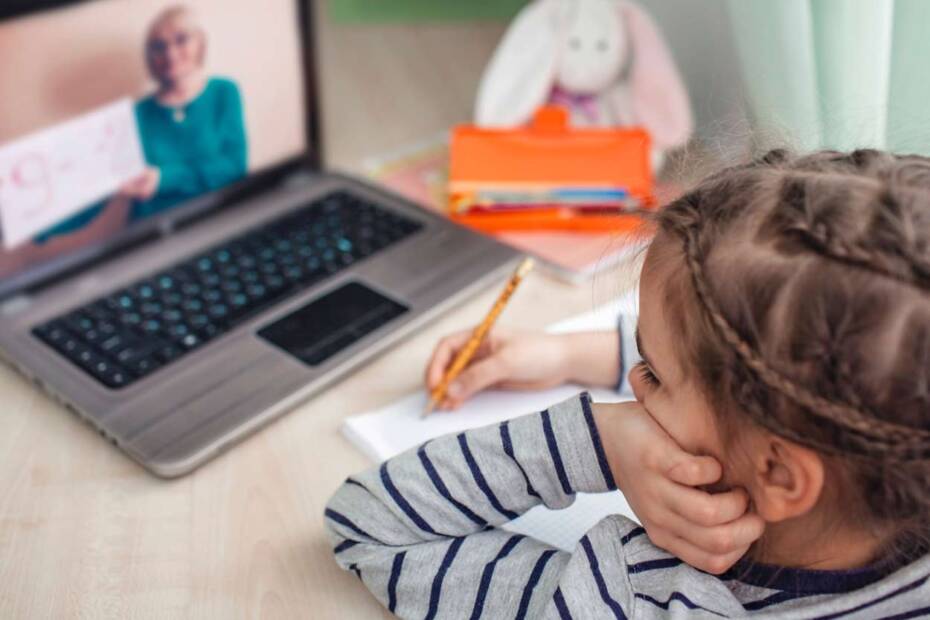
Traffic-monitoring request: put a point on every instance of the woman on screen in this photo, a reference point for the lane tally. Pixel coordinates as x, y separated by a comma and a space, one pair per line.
192, 126
192, 132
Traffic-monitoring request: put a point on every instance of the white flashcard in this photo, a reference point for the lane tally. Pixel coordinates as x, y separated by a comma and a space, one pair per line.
52, 174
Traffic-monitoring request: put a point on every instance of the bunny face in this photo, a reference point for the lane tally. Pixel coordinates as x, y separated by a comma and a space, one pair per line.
608, 54
592, 47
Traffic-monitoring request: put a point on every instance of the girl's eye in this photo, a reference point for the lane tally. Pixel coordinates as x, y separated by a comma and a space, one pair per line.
647, 376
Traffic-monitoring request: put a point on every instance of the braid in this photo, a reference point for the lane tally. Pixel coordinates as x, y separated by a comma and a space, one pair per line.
810, 276
896, 256
864, 215
896, 440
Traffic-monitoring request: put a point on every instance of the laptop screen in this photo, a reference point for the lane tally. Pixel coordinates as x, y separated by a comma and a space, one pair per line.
116, 113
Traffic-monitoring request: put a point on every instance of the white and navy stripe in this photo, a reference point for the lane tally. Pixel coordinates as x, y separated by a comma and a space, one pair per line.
421, 532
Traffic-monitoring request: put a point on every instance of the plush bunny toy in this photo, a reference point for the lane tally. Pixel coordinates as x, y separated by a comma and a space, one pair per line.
602, 59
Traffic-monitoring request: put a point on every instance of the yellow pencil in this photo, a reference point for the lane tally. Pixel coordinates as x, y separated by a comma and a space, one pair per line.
468, 351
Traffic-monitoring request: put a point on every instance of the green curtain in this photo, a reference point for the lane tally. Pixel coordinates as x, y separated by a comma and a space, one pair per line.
838, 74
377, 11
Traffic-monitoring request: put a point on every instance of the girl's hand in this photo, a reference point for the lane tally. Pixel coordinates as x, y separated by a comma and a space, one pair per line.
708, 531
506, 359
523, 360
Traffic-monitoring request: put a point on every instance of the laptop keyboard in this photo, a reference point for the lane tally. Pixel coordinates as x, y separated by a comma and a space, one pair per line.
131, 333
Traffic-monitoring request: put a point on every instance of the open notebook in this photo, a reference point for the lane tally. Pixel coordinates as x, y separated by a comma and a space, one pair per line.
388, 431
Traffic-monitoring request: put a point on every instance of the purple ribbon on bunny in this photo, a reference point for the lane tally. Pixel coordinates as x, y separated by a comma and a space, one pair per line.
586, 105
604, 60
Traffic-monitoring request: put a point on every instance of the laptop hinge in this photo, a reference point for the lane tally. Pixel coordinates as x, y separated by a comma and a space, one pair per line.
300, 178
15, 305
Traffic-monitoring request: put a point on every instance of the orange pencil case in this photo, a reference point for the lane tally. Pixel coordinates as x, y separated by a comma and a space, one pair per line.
547, 155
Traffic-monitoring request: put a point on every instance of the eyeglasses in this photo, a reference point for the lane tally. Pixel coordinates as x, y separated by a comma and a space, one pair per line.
160, 46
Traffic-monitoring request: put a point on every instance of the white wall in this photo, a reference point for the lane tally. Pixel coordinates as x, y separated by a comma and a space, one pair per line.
698, 32
56, 65
428, 80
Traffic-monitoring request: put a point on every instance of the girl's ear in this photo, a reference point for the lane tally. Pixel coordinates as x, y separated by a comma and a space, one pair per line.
520, 75
659, 97
787, 478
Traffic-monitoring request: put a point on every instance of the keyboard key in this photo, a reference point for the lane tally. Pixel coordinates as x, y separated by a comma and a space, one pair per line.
115, 378
256, 291
85, 357
116, 343
219, 311
197, 321
250, 277
178, 331
275, 283
150, 308
143, 366
237, 301
191, 289
100, 311
168, 353
139, 350
94, 336
80, 322
106, 328
53, 333
110, 374
231, 286
145, 291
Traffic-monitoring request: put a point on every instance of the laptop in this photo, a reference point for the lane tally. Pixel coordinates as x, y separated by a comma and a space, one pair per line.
175, 267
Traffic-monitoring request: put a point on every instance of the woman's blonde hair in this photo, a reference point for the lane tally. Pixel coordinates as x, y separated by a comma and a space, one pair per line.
172, 13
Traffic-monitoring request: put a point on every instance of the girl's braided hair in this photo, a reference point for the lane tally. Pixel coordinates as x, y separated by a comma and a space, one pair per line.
810, 276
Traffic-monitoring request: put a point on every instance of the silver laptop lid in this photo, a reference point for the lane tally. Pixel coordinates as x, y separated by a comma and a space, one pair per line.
121, 120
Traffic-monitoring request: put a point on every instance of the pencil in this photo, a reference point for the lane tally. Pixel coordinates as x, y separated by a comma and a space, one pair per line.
468, 351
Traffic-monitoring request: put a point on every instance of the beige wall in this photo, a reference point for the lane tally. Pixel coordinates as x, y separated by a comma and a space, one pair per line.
56, 65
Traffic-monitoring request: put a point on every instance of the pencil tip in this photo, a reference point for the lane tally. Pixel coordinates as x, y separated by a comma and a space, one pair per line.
525, 266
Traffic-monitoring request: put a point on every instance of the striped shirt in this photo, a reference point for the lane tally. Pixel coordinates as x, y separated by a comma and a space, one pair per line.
421, 533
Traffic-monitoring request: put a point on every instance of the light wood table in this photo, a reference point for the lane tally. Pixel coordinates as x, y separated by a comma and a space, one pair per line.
86, 533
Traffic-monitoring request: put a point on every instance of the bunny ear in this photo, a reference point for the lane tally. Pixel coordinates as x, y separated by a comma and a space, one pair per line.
659, 98
520, 75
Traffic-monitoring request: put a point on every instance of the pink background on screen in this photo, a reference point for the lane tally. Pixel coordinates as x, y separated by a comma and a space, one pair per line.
61, 63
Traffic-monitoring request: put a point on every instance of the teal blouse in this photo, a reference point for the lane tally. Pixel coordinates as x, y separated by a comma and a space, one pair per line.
205, 150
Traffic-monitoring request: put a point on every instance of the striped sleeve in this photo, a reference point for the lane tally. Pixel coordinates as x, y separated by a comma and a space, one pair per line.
420, 530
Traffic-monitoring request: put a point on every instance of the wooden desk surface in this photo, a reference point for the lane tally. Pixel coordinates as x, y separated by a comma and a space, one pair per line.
84, 532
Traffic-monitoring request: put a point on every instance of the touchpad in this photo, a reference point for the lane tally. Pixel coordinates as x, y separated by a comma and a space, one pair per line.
330, 323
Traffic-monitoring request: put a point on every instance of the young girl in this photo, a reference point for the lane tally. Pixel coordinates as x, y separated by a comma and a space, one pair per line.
784, 328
